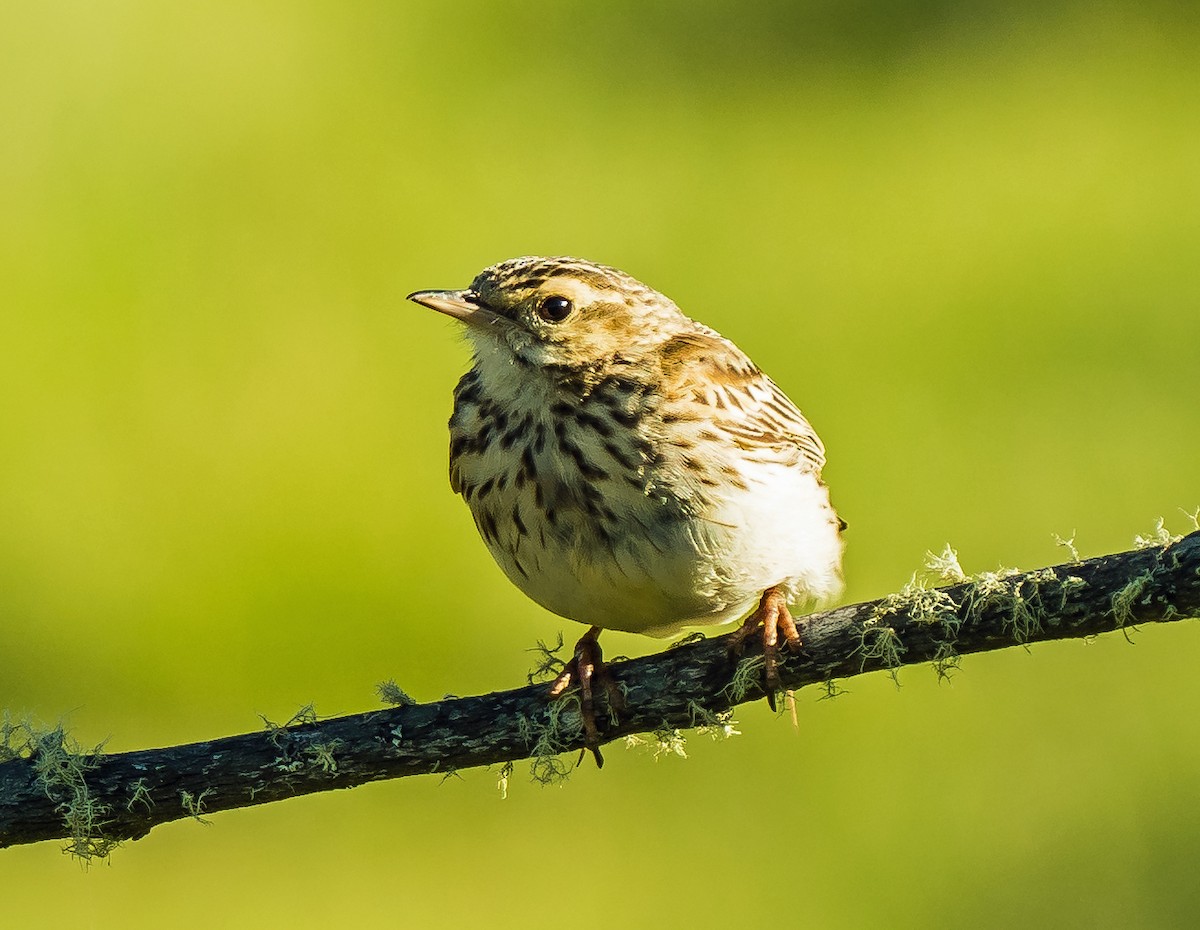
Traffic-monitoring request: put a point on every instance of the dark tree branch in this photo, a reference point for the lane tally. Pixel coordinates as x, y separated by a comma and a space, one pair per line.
48, 791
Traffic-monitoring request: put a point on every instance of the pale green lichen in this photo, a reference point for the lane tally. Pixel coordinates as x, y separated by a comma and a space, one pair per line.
1001, 590
1021, 599
1159, 537
1070, 582
988, 586
391, 693
1132, 593
277, 731
718, 725
878, 641
193, 804
1193, 516
322, 755
547, 742
1034, 588
669, 742
722, 728
945, 566
665, 741
1046, 578
921, 603
61, 766
564, 717
306, 714
1068, 544
139, 793
924, 604
945, 661
747, 674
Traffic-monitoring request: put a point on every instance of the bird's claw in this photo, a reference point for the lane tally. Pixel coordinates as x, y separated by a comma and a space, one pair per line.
587, 669
771, 618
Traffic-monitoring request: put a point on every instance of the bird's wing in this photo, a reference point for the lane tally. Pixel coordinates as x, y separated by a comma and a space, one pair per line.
712, 379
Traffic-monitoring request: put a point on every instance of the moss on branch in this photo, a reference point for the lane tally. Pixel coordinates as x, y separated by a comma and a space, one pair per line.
51, 788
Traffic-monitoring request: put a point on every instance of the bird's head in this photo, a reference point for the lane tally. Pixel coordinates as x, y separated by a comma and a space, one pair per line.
562, 313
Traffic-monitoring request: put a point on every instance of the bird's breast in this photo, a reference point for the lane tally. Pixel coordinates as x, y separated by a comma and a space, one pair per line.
569, 495
604, 510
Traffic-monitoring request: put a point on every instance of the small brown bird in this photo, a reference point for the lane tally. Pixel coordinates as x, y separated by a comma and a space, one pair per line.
630, 468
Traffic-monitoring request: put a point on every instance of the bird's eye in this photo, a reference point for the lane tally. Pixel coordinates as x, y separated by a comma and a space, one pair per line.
555, 309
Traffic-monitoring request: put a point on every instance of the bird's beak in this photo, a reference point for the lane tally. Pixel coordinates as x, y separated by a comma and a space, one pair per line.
462, 305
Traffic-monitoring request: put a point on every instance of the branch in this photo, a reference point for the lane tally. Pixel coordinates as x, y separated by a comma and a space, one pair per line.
51, 790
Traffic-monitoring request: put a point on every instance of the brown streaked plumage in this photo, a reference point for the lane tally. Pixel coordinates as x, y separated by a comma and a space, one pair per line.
630, 468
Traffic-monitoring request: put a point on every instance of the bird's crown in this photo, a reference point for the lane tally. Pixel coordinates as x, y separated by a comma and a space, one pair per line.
560, 312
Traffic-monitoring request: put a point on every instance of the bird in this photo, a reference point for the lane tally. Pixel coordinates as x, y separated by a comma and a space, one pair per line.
632, 469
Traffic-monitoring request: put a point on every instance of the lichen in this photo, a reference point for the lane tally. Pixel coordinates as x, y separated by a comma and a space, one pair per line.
945, 566
747, 675
139, 793
921, 603
718, 725
548, 665
722, 728
832, 690
61, 766
276, 732
878, 641
1159, 537
322, 754
1068, 544
664, 741
945, 660
547, 768
391, 693
1034, 587
193, 804
1002, 591
1132, 593
548, 741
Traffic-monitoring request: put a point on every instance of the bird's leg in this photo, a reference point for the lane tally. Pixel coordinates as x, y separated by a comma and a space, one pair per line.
587, 668
771, 617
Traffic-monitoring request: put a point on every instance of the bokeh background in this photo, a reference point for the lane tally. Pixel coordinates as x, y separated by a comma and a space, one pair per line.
964, 236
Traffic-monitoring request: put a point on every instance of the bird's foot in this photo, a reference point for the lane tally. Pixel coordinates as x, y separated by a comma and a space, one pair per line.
771, 618
588, 671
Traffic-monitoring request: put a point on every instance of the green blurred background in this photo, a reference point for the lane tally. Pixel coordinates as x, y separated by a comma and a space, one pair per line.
964, 237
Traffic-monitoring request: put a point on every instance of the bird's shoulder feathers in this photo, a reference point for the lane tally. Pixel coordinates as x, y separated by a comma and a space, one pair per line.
705, 376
